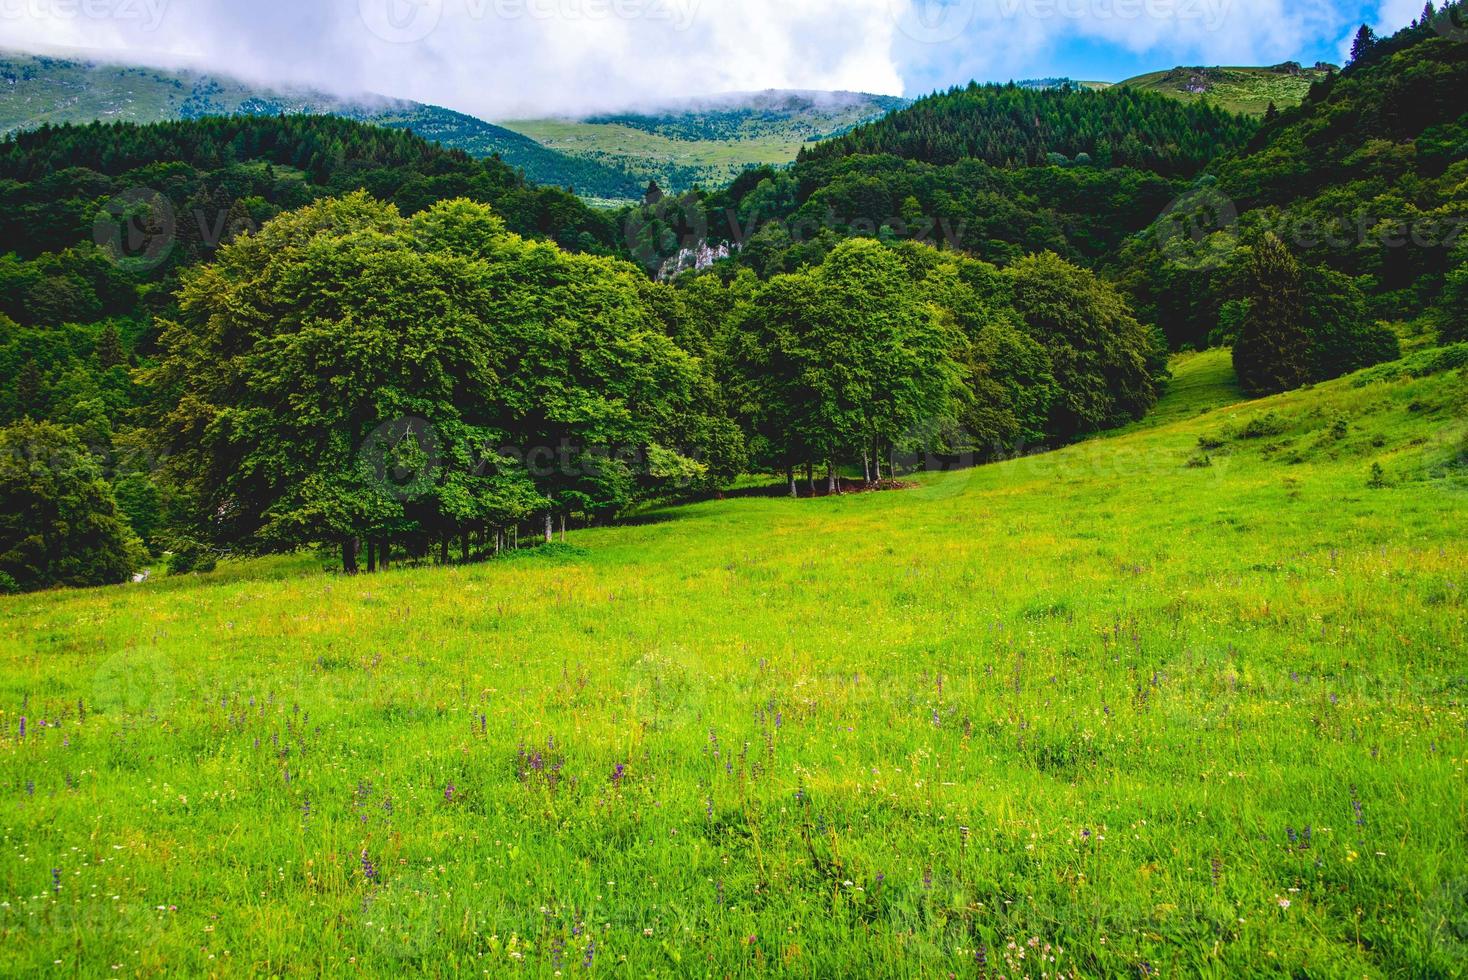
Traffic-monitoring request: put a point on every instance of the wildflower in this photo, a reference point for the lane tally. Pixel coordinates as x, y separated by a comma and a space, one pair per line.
617, 774
590, 953
22, 726
369, 870
1284, 903
56, 880
448, 793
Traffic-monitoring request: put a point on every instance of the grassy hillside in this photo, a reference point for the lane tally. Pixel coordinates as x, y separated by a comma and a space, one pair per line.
709, 141
1246, 90
1100, 708
37, 90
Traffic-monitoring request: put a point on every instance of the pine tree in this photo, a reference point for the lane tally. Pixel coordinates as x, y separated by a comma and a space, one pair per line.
1272, 353
1271, 113
110, 352
653, 194
1362, 45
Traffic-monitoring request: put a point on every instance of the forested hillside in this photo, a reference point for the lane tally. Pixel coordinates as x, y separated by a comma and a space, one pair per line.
38, 90
1008, 125
1366, 180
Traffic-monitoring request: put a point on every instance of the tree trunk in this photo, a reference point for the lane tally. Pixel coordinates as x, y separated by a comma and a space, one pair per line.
810, 477
443, 550
464, 548
790, 476
877, 459
866, 466
563, 529
830, 477
371, 555
349, 555
549, 528
382, 553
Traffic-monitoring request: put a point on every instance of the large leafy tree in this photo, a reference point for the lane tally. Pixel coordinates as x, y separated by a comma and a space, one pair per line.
349, 374
845, 359
59, 523
1106, 365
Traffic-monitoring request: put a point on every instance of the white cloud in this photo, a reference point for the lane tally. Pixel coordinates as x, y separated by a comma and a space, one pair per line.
495, 58
503, 58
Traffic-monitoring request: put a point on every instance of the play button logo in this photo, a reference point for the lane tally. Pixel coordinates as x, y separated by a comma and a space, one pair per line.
401, 21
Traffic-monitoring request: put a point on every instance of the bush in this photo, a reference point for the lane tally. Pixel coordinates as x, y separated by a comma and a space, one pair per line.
8, 585
59, 523
1263, 426
191, 556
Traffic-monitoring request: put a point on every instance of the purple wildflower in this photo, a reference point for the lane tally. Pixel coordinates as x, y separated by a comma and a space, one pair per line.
1216, 870
448, 793
56, 880
22, 726
617, 774
590, 953
369, 870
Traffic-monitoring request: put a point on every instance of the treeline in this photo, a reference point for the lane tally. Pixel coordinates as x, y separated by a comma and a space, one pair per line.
783, 219
1011, 126
424, 385
1365, 183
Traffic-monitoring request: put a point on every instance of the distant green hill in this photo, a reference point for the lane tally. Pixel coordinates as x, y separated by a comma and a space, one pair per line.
709, 141
38, 90
1246, 90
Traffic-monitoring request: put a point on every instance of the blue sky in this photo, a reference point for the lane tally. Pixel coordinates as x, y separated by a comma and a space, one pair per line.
505, 58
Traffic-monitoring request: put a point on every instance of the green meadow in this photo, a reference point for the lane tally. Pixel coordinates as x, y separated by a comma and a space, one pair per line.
1184, 700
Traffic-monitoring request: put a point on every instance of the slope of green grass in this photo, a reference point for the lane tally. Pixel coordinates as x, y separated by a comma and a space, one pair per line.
708, 141
1096, 712
1239, 89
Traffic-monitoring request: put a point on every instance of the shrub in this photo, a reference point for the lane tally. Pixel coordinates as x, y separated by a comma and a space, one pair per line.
1263, 426
191, 556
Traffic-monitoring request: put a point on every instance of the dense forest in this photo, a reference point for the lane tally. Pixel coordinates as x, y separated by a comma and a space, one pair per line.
1010, 125
1367, 180
252, 334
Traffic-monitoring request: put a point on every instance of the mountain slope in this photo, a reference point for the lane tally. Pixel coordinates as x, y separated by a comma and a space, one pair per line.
709, 141
1368, 177
1245, 90
39, 90
1009, 125
1085, 682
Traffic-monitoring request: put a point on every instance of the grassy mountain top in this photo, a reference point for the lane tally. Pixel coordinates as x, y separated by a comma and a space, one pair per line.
1098, 694
1245, 90
37, 90
709, 141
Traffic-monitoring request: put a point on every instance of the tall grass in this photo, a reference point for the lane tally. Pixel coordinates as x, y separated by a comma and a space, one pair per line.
1096, 712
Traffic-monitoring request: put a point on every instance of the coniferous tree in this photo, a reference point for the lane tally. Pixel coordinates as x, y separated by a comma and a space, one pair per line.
110, 352
1273, 349
1362, 44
